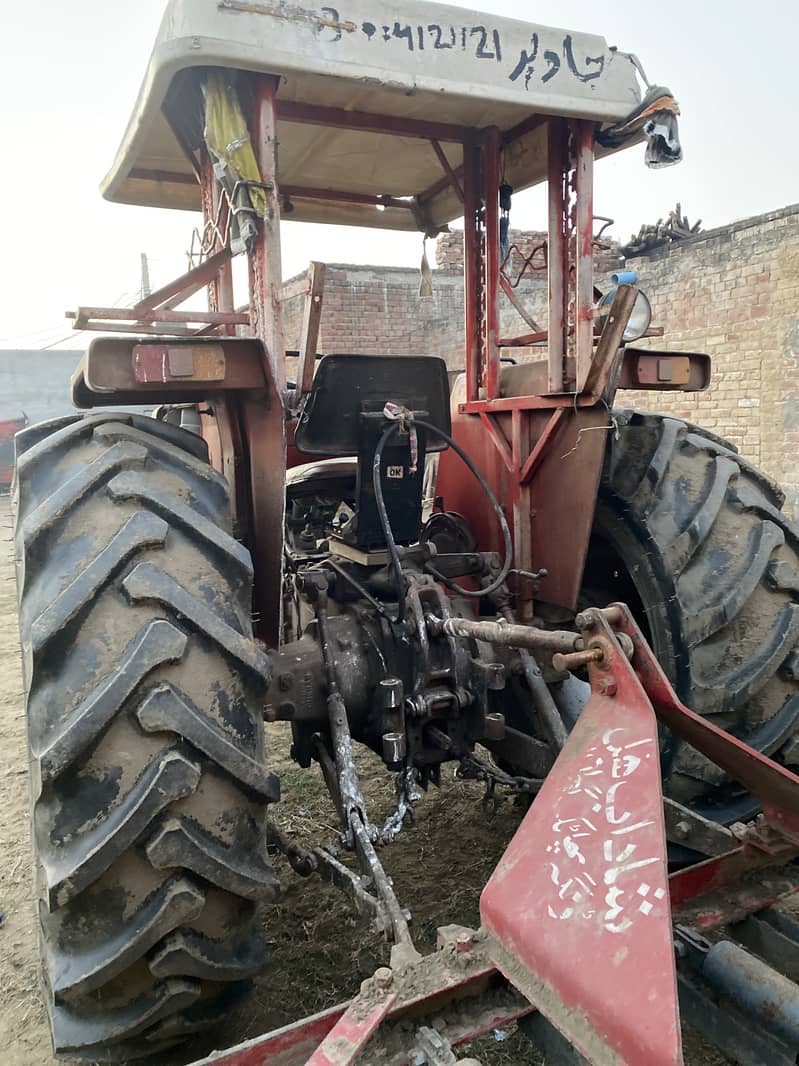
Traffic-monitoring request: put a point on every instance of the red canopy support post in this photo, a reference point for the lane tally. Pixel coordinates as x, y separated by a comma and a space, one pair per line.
266, 276
263, 423
491, 156
472, 297
557, 263
584, 225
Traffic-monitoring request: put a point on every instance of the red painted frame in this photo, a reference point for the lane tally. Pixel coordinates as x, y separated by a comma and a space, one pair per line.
512, 424
631, 945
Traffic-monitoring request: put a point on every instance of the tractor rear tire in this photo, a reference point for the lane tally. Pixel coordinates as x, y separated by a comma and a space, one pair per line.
692, 537
144, 694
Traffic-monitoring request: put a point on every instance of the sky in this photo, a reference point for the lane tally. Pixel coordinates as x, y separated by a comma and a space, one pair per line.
69, 73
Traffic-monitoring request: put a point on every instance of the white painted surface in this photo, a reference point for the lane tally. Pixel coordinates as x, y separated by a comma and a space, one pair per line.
418, 60
599, 784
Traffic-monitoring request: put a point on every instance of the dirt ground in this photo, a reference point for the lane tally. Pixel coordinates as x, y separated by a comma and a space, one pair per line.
438, 866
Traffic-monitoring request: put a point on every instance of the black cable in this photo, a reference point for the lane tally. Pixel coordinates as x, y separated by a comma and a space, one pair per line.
385, 523
389, 535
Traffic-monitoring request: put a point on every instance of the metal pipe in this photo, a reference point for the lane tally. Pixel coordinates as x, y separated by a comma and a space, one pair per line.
761, 991
506, 634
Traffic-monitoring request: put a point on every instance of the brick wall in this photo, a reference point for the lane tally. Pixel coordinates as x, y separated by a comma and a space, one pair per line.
378, 309
734, 293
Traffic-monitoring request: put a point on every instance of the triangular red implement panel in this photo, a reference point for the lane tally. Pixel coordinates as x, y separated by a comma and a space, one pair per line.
578, 906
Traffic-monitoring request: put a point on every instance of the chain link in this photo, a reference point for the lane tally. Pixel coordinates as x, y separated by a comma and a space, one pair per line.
474, 769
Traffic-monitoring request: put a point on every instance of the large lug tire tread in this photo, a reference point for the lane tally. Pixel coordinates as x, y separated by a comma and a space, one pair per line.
144, 693
714, 567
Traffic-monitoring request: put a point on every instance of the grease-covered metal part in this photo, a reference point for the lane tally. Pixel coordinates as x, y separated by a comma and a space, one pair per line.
505, 633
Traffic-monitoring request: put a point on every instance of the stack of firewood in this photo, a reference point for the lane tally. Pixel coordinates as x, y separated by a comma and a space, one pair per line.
675, 228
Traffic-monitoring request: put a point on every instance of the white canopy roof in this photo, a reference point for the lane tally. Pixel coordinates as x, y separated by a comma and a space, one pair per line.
422, 61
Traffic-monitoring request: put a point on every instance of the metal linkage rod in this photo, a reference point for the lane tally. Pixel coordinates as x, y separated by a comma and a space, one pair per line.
352, 801
551, 718
507, 634
357, 829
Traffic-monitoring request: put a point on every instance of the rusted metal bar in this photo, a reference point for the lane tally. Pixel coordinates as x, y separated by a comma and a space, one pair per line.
141, 329
263, 435
445, 163
171, 177
584, 226
525, 340
471, 268
607, 350
439, 185
509, 291
356, 1026
499, 440
491, 160
328, 867
302, 860
349, 785
526, 403
266, 279
692, 830
527, 125
557, 274
533, 460
187, 284
305, 192
157, 314
373, 867
506, 634
309, 334
366, 121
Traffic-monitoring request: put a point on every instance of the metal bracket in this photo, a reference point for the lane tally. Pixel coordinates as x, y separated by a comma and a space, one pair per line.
692, 830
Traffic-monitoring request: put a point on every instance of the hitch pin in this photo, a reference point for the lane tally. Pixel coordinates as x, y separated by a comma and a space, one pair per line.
576, 660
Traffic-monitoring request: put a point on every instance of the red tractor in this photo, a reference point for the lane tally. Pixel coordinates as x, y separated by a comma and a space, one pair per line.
346, 544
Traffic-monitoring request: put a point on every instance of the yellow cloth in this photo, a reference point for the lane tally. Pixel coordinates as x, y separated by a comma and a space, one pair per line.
227, 136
